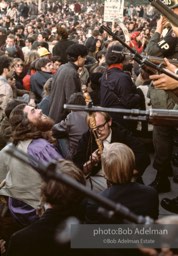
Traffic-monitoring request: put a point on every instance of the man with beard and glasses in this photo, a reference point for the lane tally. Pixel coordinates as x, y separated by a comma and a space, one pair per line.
31, 133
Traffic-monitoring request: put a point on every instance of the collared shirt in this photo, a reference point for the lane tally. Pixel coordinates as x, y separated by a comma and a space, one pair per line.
107, 141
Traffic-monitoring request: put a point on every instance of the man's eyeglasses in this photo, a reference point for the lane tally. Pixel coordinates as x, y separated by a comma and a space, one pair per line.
101, 126
19, 65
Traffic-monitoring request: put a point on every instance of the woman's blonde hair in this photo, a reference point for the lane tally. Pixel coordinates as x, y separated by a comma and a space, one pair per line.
118, 163
31, 56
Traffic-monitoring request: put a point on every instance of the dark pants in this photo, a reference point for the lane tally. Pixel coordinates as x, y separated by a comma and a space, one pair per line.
163, 145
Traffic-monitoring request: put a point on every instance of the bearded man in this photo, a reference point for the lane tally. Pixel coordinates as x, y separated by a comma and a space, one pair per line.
31, 133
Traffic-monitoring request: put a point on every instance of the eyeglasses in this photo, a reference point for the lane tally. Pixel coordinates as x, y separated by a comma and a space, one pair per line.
19, 65
101, 127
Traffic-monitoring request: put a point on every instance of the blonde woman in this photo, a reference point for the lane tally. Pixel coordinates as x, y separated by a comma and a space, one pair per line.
29, 63
19, 73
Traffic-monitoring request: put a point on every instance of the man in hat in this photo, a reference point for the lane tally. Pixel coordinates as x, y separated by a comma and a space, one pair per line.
164, 82
43, 52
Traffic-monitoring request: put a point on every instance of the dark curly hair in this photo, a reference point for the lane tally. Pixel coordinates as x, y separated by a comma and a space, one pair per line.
76, 50
22, 129
5, 62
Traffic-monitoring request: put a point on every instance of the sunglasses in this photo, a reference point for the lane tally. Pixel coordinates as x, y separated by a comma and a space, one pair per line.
19, 65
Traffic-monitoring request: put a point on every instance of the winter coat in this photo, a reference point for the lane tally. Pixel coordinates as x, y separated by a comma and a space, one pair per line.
37, 82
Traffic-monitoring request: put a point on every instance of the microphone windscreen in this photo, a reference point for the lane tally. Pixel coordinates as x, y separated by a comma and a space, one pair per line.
63, 233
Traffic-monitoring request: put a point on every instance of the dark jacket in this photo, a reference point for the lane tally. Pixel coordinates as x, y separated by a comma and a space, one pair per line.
39, 238
44, 105
87, 146
118, 91
60, 49
19, 81
139, 199
66, 81
37, 82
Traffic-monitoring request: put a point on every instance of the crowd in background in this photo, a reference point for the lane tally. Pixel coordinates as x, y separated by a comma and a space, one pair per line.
61, 54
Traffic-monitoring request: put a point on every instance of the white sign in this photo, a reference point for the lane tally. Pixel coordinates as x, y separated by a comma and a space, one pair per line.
113, 10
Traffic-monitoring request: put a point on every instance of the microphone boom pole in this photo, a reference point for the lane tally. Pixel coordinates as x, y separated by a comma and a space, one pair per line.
164, 117
52, 171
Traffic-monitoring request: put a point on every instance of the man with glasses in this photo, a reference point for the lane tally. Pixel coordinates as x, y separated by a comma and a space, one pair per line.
87, 157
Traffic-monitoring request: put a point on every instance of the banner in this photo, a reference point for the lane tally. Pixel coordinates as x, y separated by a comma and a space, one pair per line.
113, 10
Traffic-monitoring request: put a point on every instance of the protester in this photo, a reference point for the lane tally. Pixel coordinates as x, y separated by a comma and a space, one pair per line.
18, 70
44, 72
5, 89
66, 81
73, 27
68, 132
118, 163
31, 134
44, 104
11, 49
61, 201
63, 43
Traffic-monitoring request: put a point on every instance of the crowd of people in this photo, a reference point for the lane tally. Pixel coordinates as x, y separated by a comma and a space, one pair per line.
60, 55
